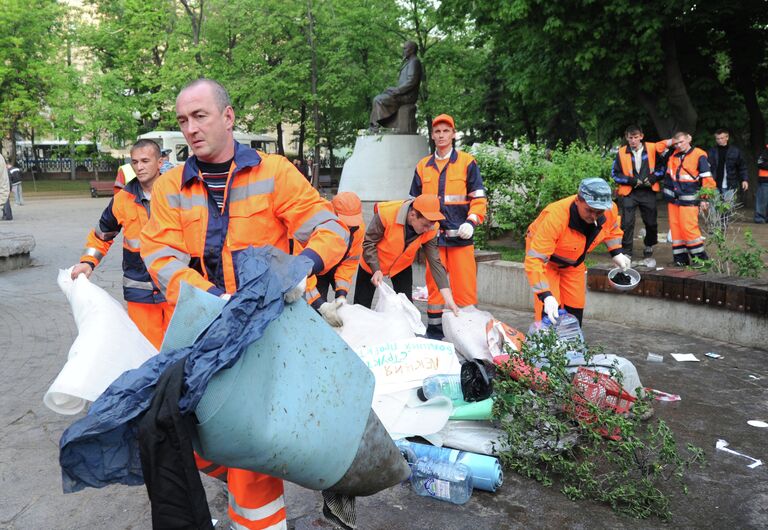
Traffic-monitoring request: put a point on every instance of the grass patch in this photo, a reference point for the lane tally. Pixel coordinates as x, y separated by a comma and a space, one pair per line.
53, 186
509, 254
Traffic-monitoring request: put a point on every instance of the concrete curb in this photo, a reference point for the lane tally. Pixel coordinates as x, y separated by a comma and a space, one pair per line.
503, 283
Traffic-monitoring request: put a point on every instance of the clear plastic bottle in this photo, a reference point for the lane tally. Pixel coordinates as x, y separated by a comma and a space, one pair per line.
567, 326
485, 470
451, 482
448, 385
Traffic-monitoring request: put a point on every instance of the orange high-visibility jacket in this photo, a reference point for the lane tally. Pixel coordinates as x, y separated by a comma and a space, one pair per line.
393, 255
762, 165
346, 269
461, 191
686, 174
126, 211
560, 238
190, 239
624, 166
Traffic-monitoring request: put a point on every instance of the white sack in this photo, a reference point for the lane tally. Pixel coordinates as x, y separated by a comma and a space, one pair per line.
404, 364
467, 332
474, 436
108, 343
403, 414
602, 363
398, 304
363, 326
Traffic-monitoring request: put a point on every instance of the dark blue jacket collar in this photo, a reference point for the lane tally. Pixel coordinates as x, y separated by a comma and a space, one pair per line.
245, 157
134, 188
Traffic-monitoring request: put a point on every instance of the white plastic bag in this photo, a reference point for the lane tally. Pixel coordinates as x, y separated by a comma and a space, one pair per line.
108, 343
474, 436
468, 333
364, 327
397, 303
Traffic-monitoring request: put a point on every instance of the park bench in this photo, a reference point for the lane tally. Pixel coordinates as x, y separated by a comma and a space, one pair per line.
102, 188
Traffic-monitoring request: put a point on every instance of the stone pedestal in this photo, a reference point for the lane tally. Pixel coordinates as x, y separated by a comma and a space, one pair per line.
14, 250
381, 166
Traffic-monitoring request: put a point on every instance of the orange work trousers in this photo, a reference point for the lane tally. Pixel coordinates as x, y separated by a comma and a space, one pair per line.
256, 501
686, 236
568, 285
151, 319
462, 274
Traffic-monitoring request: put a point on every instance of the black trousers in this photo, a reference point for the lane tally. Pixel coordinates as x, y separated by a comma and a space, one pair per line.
402, 282
645, 199
7, 212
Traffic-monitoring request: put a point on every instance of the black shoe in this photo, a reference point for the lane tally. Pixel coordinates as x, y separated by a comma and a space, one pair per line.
434, 332
648, 252
680, 264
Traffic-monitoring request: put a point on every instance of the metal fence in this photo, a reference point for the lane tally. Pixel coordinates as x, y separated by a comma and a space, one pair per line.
64, 165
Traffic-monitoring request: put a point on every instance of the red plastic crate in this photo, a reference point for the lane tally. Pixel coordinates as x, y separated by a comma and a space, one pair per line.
599, 389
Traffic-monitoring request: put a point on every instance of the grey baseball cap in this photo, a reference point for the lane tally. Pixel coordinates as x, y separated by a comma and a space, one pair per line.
596, 193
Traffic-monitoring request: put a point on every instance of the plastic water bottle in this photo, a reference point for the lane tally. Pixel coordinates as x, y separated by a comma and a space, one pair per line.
567, 326
441, 385
442, 480
485, 470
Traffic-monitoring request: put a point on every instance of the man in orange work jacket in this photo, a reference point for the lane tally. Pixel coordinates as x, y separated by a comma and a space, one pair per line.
454, 177
129, 210
224, 199
687, 172
637, 170
558, 241
396, 233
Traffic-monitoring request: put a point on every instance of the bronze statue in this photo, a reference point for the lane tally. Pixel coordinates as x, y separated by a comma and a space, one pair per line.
396, 107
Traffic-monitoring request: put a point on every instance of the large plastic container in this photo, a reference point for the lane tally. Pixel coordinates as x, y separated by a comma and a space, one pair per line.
446, 481
567, 326
296, 405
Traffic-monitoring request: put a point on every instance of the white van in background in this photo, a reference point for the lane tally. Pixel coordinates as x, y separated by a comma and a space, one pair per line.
175, 141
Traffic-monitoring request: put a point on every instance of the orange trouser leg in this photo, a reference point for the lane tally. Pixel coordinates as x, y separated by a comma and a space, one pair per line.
689, 228
255, 501
210, 468
462, 274
679, 250
151, 319
569, 287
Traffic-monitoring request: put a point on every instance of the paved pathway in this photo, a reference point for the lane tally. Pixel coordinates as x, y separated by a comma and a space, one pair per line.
37, 329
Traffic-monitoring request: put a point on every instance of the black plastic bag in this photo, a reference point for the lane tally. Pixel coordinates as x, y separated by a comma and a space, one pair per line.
477, 380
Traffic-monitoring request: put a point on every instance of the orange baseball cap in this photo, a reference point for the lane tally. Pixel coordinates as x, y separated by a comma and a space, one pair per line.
348, 208
429, 207
444, 118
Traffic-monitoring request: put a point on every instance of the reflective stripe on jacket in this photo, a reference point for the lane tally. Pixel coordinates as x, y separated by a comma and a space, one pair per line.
190, 239
391, 251
128, 212
461, 191
686, 174
624, 173
560, 238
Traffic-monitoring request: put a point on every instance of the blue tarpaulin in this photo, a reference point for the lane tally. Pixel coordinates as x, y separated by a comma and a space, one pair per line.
101, 448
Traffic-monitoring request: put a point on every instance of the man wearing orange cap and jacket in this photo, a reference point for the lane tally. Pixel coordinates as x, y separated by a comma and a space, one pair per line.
396, 233
454, 177
687, 172
224, 199
349, 210
129, 210
558, 241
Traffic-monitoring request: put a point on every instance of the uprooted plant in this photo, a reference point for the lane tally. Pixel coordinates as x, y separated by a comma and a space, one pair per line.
604, 455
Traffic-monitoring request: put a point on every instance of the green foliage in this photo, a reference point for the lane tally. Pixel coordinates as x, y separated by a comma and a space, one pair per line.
728, 253
521, 183
629, 471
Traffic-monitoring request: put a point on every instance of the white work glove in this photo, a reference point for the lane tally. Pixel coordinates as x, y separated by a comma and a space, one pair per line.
296, 292
551, 308
622, 262
466, 230
225, 296
329, 311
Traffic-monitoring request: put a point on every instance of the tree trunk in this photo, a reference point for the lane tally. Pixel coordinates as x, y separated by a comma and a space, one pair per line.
330, 156
315, 109
684, 115
14, 128
745, 84
662, 124
280, 146
196, 21
302, 129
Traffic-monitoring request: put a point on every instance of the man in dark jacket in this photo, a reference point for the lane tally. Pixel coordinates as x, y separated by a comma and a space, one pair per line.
728, 167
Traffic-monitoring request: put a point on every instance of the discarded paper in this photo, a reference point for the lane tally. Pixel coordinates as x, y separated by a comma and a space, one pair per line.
684, 357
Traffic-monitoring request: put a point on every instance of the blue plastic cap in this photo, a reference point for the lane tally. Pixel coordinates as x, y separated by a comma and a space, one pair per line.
596, 193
